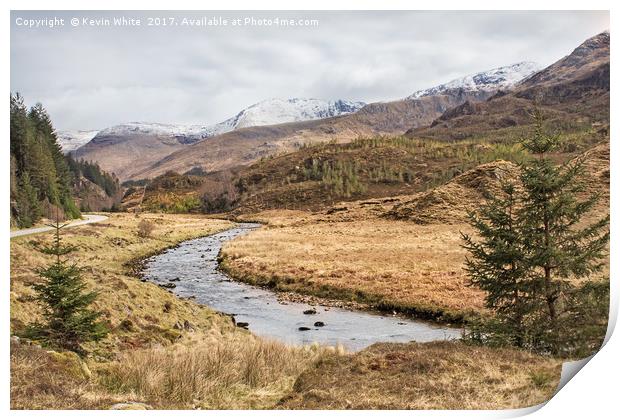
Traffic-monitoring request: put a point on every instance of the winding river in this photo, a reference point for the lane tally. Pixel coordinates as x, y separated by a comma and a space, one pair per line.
192, 267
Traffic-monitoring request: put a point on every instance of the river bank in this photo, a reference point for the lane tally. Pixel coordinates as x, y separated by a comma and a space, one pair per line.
192, 270
384, 265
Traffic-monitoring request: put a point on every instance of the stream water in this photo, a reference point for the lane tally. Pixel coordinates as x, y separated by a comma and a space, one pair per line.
192, 267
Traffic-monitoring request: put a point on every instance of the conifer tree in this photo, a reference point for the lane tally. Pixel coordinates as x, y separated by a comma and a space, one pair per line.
552, 210
68, 320
497, 263
533, 239
28, 210
19, 130
35, 151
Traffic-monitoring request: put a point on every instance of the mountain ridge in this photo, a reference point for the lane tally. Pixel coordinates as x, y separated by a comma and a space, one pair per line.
493, 79
379, 118
267, 112
572, 91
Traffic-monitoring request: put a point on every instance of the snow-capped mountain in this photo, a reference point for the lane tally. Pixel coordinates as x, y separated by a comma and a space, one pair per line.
269, 112
189, 132
71, 140
499, 78
278, 111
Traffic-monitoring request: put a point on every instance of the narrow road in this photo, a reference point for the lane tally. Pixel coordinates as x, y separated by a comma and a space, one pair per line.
88, 218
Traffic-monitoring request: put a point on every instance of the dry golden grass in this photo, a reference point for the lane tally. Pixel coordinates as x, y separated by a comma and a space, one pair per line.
234, 373
135, 311
450, 203
144, 358
146, 361
396, 264
426, 376
43, 380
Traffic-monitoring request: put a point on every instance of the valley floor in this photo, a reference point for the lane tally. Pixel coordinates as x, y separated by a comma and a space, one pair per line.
399, 253
147, 361
390, 265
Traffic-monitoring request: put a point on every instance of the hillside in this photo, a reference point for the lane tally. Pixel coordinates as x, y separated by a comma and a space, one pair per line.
363, 169
573, 93
449, 203
317, 177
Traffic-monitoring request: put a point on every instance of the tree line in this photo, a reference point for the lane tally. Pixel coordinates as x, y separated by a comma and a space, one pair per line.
40, 176
93, 172
43, 179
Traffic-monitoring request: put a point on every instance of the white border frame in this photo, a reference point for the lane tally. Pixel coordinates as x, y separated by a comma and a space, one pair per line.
592, 393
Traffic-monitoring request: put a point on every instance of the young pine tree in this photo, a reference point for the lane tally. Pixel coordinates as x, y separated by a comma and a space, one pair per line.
497, 265
533, 240
68, 320
561, 245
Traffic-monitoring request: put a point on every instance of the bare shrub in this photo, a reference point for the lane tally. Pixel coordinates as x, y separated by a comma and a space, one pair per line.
145, 228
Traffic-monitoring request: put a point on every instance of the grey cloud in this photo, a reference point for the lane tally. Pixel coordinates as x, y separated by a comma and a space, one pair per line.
97, 77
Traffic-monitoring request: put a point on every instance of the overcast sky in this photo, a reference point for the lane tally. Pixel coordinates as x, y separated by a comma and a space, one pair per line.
94, 77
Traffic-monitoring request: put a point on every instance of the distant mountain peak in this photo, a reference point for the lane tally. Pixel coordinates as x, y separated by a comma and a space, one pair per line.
597, 41
140, 127
495, 79
268, 112
590, 54
278, 111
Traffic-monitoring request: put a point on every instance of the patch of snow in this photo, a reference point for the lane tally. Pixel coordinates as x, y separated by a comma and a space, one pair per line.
499, 78
278, 111
175, 130
72, 139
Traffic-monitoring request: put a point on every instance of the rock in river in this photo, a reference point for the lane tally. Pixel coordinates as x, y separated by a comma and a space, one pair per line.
319, 324
310, 311
304, 328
